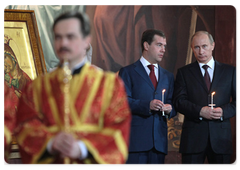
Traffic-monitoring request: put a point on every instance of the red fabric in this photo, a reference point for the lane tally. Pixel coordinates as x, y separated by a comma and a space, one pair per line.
152, 76
10, 104
105, 124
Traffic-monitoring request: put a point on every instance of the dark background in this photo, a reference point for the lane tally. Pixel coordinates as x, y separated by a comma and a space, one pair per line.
117, 33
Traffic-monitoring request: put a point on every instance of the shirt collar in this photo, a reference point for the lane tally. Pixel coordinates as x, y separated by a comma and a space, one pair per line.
210, 64
145, 63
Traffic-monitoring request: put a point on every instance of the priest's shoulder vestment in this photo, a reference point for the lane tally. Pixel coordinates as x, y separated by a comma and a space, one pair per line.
99, 115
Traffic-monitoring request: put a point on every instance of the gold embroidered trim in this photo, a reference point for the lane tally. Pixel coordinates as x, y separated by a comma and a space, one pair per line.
108, 92
76, 85
7, 134
96, 78
38, 155
119, 140
51, 100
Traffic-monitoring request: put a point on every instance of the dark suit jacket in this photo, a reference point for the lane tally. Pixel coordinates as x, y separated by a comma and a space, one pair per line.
191, 94
148, 128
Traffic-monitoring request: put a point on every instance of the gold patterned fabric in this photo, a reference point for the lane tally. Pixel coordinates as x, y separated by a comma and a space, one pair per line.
99, 116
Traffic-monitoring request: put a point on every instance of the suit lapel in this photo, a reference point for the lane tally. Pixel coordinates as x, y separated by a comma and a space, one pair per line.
195, 70
142, 72
161, 76
218, 71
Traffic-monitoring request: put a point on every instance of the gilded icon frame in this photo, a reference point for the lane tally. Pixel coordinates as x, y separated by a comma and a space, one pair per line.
25, 21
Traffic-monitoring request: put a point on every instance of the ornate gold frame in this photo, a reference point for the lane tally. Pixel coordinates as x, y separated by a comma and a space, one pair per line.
28, 18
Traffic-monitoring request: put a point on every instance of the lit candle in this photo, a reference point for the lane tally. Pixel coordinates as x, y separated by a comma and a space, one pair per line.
163, 100
212, 99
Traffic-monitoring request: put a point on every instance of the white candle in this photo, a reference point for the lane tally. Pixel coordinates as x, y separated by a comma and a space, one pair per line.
163, 100
212, 99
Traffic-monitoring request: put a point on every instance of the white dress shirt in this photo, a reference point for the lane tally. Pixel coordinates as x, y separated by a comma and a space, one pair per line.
211, 65
145, 64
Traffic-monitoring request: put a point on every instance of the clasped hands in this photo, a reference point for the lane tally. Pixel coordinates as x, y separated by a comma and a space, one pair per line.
209, 113
157, 105
66, 145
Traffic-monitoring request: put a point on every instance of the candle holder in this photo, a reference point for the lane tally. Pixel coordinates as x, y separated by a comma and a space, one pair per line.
211, 105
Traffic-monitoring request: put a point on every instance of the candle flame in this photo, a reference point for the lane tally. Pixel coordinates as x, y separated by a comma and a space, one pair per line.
213, 93
163, 90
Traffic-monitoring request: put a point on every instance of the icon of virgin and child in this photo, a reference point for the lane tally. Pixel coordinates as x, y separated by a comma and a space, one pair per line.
14, 77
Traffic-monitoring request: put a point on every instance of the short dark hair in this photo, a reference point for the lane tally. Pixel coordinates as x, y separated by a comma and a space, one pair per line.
82, 17
148, 36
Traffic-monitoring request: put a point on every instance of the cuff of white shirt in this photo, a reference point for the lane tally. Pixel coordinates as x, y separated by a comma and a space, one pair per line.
49, 146
83, 149
221, 118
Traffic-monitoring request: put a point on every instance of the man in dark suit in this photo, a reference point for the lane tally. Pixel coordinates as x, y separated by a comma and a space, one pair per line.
206, 131
148, 136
